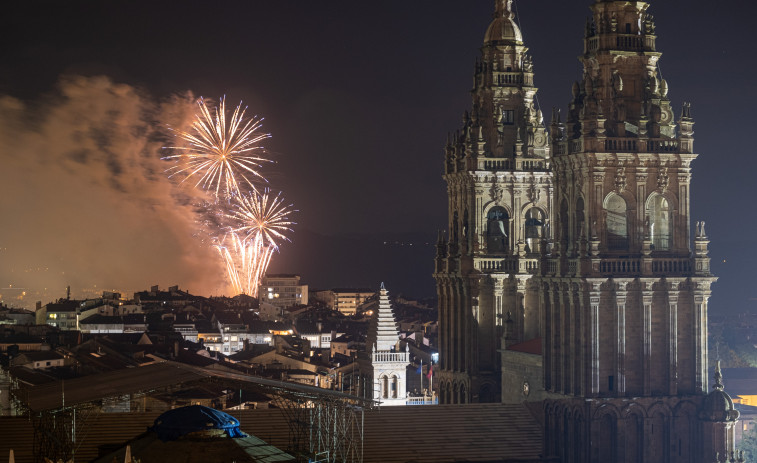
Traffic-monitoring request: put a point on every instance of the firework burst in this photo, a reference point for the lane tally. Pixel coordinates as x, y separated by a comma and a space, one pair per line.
262, 221
263, 216
222, 152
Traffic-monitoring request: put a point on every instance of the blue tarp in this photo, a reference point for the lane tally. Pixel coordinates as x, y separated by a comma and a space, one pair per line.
179, 422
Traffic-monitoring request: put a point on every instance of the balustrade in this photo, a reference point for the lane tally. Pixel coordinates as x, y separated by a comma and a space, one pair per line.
507, 265
494, 164
629, 42
620, 266
398, 357
665, 266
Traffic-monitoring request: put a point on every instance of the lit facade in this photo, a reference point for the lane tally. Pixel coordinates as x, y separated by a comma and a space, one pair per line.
283, 291
499, 183
609, 287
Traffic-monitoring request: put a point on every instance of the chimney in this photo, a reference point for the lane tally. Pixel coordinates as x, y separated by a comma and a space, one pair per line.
68, 292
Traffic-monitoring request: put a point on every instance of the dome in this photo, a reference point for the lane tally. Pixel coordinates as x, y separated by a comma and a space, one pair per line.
718, 405
503, 28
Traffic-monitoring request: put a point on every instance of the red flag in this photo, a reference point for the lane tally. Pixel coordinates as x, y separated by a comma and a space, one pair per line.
430, 371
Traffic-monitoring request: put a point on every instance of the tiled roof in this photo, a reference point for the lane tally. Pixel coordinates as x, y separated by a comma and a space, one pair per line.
447, 433
532, 346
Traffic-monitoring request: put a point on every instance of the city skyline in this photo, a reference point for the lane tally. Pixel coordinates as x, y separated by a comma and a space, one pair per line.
359, 103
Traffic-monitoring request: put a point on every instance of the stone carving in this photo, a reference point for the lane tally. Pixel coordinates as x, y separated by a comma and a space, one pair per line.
496, 192
621, 181
533, 193
663, 179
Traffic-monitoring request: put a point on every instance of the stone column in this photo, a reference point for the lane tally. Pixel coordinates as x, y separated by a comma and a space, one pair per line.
584, 311
520, 308
674, 285
443, 324
465, 316
554, 323
646, 362
594, 299
458, 325
621, 295
701, 297
546, 296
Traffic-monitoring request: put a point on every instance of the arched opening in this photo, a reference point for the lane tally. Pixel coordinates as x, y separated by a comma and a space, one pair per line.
384, 387
455, 227
580, 217
534, 229
465, 225
567, 442
658, 214
486, 394
659, 437
497, 225
578, 438
634, 439
617, 222
607, 438
394, 387
564, 225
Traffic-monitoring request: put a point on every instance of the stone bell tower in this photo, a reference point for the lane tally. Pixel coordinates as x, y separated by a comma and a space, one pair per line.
499, 187
624, 294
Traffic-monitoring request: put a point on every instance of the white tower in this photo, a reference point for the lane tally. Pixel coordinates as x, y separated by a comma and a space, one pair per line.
388, 364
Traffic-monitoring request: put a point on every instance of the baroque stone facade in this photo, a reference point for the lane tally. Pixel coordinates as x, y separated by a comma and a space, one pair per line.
497, 170
582, 242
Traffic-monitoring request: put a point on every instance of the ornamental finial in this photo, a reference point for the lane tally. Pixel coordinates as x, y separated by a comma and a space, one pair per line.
718, 378
504, 8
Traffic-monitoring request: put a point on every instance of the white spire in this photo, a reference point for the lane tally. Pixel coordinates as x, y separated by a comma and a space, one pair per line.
387, 334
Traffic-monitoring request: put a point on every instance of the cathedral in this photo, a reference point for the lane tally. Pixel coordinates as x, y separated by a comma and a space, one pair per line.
571, 275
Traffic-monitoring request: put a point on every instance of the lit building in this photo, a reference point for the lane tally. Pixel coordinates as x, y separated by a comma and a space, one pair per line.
499, 183
347, 300
283, 291
573, 254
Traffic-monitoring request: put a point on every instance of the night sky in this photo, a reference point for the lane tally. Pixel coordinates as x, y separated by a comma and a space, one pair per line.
359, 97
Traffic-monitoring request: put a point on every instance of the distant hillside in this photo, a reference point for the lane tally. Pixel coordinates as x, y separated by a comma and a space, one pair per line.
403, 261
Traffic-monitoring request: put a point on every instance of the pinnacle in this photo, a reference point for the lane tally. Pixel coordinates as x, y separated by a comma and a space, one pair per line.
504, 8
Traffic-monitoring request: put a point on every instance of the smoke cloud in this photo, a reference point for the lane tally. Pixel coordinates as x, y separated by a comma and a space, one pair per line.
85, 201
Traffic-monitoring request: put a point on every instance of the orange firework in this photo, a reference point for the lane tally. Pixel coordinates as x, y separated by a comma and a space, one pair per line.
220, 151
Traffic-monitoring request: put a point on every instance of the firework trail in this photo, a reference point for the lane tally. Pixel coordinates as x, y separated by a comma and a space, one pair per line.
263, 220
220, 151
246, 262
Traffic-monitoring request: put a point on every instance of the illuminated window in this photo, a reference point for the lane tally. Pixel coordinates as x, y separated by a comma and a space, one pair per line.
617, 223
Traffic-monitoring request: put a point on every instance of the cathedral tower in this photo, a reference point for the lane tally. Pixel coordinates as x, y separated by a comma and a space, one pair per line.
624, 293
499, 187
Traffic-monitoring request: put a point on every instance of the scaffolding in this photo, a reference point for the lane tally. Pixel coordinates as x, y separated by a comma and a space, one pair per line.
325, 429
324, 426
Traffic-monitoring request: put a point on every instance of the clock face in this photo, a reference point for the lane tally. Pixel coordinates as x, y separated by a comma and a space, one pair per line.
540, 140
526, 388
